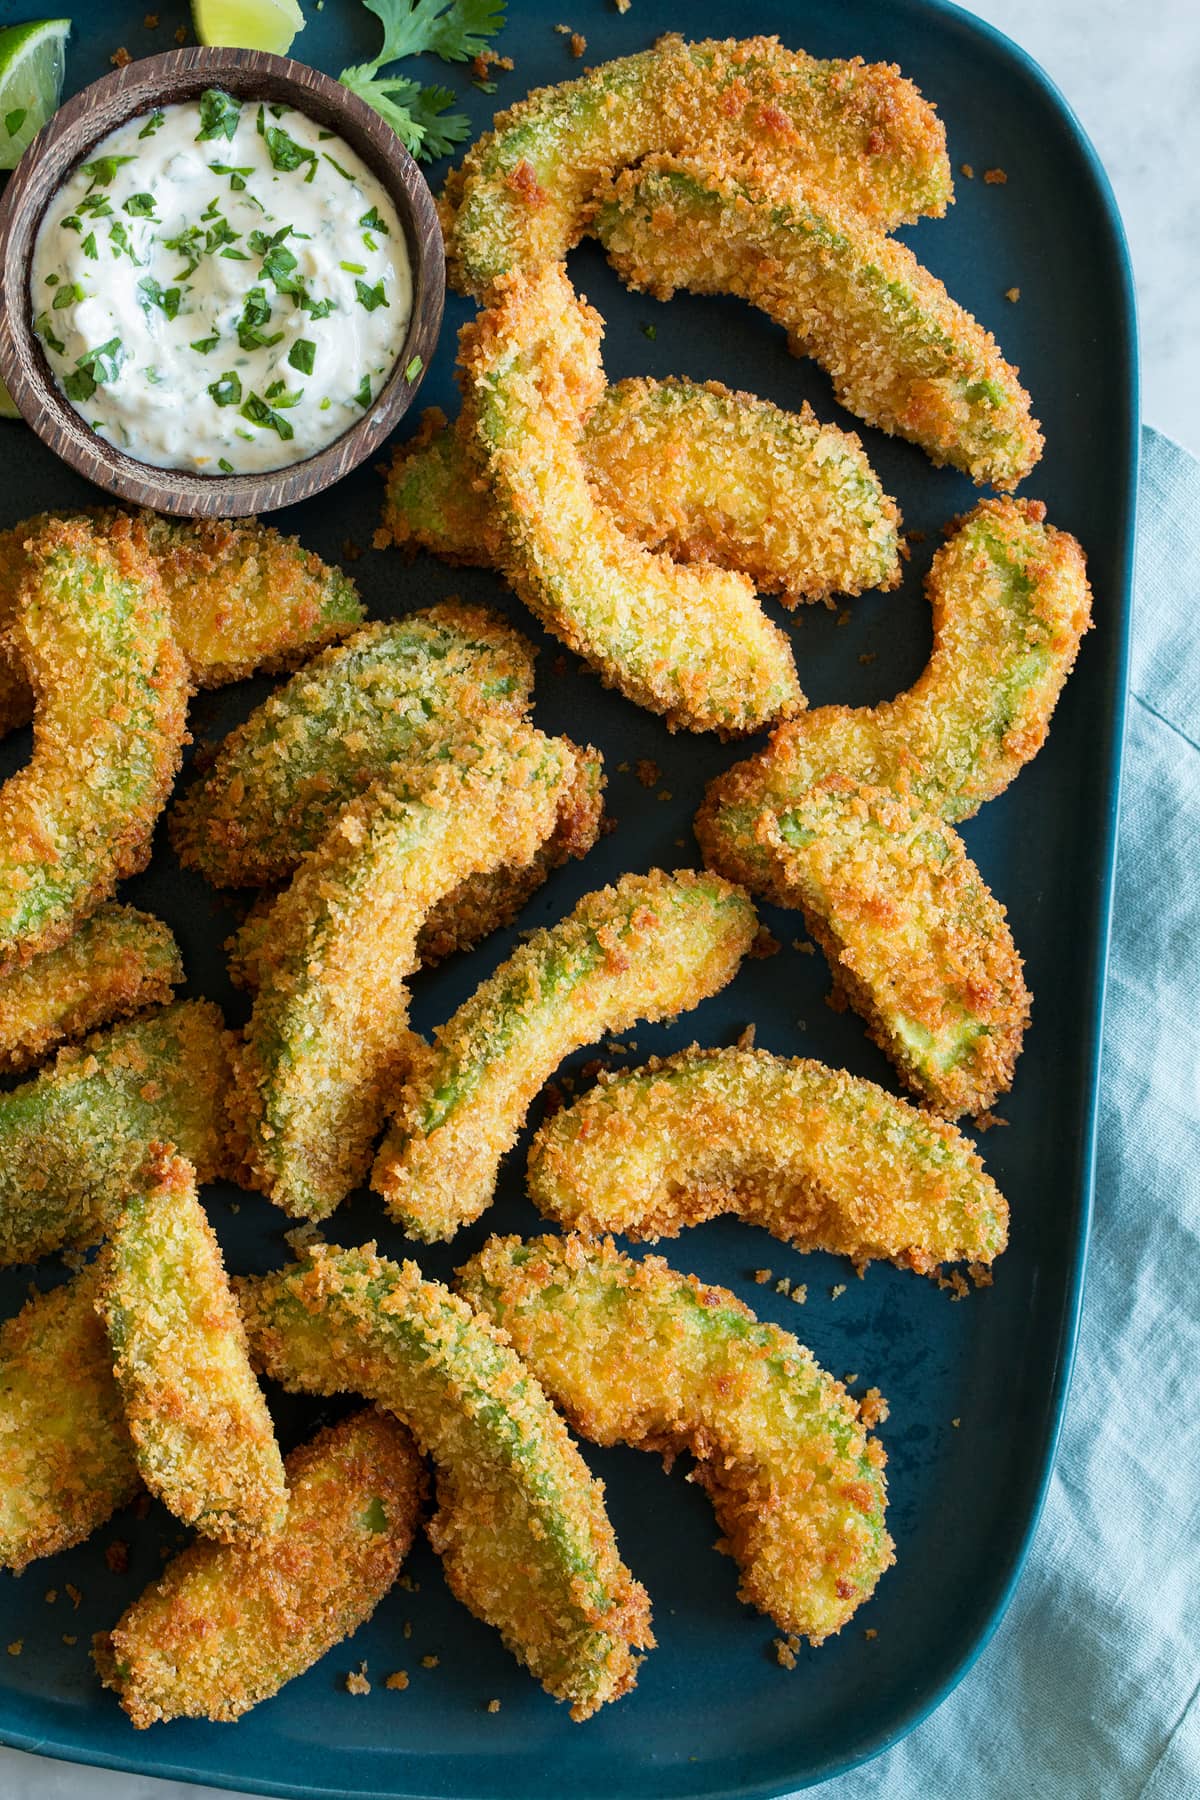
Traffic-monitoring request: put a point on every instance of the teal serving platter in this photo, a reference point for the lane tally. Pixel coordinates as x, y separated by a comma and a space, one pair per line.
977, 1386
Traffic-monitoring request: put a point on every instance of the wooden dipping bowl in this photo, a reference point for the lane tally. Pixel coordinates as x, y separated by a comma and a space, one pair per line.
69, 138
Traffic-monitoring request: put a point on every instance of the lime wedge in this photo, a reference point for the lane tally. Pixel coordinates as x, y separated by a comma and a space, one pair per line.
32, 61
7, 409
248, 24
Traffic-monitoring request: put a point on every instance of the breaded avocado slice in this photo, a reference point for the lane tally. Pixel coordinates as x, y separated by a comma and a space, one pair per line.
1011, 601
118, 961
327, 1038
917, 943
821, 1159
94, 635
691, 468
521, 1526
66, 1456
688, 641
902, 354
227, 1625
73, 1138
202, 1435
650, 947
636, 1353
520, 197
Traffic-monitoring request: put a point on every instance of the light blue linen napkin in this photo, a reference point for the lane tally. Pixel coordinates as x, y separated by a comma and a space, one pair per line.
1090, 1689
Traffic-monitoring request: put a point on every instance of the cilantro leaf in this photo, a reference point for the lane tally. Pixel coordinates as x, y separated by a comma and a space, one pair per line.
418, 115
455, 30
219, 114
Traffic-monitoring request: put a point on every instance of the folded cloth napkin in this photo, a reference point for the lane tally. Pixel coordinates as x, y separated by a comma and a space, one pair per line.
1090, 1689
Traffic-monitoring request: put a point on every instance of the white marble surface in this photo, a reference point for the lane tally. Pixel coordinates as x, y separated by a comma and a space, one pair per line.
1132, 74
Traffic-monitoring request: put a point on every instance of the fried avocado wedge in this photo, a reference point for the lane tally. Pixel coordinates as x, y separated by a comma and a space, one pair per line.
520, 198
689, 642
901, 353
117, 962
819, 1158
202, 1434
241, 597
916, 941
66, 1456
650, 947
521, 1526
94, 636
1011, 601
73, 1138
636, 1353
389, 693
227, 1625
691, 468
327, 1038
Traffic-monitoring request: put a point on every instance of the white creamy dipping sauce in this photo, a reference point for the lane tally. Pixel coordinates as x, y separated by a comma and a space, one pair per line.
222, 286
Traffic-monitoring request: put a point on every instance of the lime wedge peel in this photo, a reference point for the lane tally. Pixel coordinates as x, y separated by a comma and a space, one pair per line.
32, 63
248, 24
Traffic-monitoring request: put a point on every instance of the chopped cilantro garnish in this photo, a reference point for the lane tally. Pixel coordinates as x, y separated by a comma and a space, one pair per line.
139, 206
369, 241
281, 395
344, 173
88, 246
101, 172
353, 268
227, 391
219, 114
302, 355
92, 206
45, 330
318, 309
69, 292
362, 392
650, 331
285, 153
371, 221
204, 345
261, 242
279, 266
237, 173
151, 294
224, 465
255, 314
371, 297
118, 240
414, 368
455, 30
154, 123
94, 368
258, 412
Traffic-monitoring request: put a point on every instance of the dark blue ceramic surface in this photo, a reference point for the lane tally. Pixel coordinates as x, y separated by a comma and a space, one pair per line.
976, 1388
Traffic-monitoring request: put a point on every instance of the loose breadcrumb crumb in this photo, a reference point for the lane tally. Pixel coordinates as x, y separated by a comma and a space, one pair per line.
1013, 294
120, 58
181, 34
647, 771
956, 1423
873, 1409
747, 1036
849, 1380
785, 1651
783, 1285
578, 44
870, 1632
116, 1556
765, 944
51, 1596
995, 177
356, 1681
762, 1276
73, 1594
70, 1637
799, 1293
16, 1647
622, 6
150, 22
430, 1662
836, 1293
408, 1628
493, 1706
398, 1679
867, 657
805, 946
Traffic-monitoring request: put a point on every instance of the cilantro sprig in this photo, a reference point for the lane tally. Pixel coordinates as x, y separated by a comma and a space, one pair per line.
455, 31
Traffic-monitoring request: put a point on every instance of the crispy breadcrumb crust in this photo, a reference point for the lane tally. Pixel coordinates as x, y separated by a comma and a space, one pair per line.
519, 198
227, 1625
93, 633
688, 641
66, 1456
1011, 601
242, 597
637, 1353
202, 1435
917, 943
73, 1138
521, 1527
392, 691
117, 962
692, 468
821, 1159
650, 947
902, 354
328, 1037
